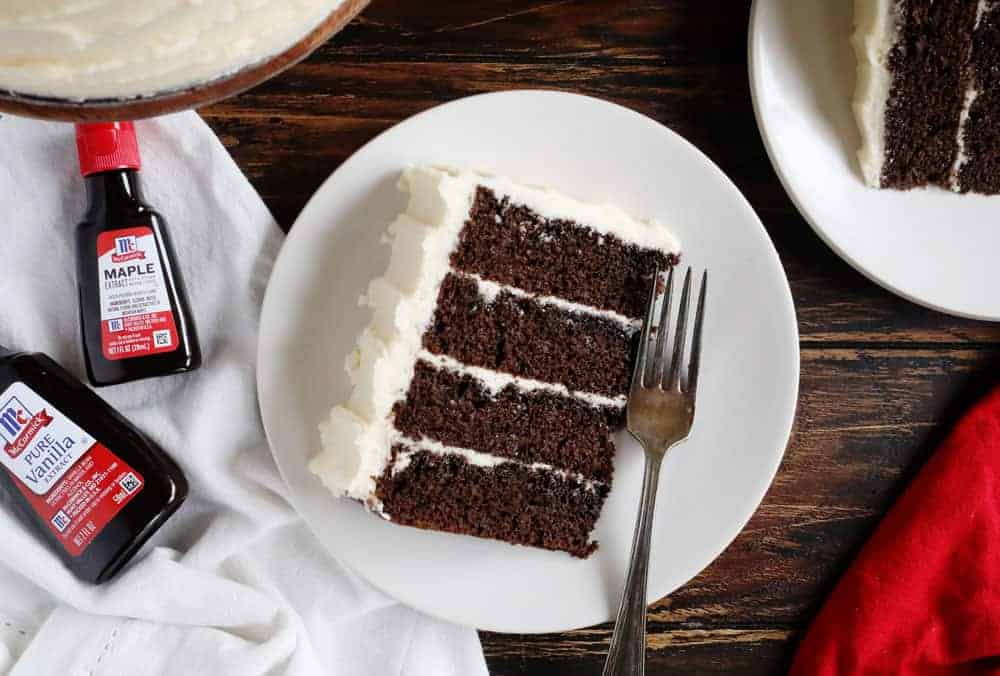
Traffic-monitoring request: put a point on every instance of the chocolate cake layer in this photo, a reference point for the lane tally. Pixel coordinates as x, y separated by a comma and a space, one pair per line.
456, 410
506, 502
981, 138
930, 70
524, 338
511, 244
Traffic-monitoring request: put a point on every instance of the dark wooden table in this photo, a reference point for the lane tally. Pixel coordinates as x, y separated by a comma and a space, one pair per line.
882, 380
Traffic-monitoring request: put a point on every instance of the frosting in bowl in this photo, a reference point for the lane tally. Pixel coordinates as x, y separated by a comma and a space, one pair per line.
100, 49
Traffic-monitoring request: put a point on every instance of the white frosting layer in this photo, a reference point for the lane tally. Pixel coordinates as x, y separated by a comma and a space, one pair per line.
92, 49
494, 381
480, 459
971, 94
414, 446
962, 157
358, 436
876, 31
489, 291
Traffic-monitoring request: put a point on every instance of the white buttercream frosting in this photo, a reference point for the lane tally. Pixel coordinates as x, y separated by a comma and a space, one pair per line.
876, 30
480, 459
358, 436
971, 94
962, 156
494, 381
95, 49
489, 290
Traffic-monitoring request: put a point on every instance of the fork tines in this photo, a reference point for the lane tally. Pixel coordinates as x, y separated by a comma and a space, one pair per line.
652, 367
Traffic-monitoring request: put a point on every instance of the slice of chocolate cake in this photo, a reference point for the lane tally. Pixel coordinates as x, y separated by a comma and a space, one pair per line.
927, 93
495, 370
978, 168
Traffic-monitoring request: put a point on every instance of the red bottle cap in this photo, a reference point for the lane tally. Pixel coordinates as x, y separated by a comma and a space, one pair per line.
106, 146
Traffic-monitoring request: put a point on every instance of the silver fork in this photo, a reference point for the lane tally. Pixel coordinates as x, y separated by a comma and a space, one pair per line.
660, 413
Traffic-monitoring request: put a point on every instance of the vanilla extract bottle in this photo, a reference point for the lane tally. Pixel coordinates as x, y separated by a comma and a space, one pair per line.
86, 481
134, 313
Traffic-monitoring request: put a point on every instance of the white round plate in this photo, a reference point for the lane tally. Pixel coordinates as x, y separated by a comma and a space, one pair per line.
932, 247
599, 152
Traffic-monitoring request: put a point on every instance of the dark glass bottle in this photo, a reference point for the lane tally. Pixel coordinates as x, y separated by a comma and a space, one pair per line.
81, 475
134, 311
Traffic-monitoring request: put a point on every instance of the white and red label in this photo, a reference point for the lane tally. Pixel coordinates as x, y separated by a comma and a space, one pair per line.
136, 319
74, 483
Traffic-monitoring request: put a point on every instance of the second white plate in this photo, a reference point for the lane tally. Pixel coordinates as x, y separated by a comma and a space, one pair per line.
599, 152
930, 246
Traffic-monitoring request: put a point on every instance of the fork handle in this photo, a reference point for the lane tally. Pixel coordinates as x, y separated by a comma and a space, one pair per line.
627, 655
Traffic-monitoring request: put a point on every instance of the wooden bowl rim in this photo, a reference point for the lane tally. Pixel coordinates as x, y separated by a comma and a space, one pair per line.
170, 101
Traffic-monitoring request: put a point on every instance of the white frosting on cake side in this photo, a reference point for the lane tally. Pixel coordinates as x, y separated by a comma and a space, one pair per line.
91, 49
358, 436
876, 30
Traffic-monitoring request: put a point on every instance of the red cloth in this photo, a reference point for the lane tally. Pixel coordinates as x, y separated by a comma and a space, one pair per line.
923, 597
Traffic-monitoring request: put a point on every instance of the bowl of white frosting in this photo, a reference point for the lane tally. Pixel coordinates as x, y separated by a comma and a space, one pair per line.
122, 59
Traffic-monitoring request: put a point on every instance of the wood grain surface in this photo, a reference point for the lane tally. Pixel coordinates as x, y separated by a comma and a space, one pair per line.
882, 379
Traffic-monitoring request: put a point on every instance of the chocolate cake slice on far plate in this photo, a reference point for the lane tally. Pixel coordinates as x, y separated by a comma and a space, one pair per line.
928, 93
497, 363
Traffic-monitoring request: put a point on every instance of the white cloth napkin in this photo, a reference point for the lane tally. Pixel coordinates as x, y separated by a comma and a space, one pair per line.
234, 583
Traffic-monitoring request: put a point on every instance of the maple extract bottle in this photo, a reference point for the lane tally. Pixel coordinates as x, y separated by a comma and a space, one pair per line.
134, 312
86, 480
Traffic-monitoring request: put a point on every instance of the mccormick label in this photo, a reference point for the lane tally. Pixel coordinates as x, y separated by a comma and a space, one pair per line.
136, 319
75, 484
